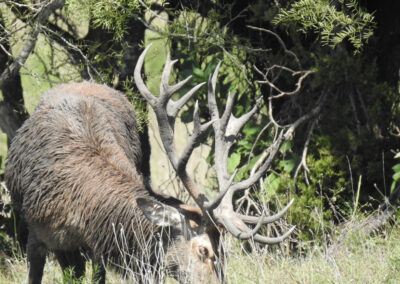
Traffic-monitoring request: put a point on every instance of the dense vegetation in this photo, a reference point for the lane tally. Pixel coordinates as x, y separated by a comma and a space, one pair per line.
334, 63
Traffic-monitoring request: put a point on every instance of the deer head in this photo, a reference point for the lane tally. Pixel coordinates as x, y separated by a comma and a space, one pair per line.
192, 254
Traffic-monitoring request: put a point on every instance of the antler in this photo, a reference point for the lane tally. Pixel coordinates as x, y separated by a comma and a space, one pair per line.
226, 128
166, 111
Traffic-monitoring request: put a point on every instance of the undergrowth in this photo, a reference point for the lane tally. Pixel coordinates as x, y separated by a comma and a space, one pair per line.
349, 255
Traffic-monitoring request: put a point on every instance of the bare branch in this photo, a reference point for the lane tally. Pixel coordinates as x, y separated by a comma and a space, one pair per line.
73, 47
30, 42
303, 162
281, 42
303, 75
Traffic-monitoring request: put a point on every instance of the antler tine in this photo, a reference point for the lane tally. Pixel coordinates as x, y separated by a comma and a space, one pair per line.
240, 230
165, 94
212, 103
236, 124
241, 235
166, 91
176, 106
265, 219
198, 130
211, 205
228, 110
226, 128
275, 240
273, 149
139, 81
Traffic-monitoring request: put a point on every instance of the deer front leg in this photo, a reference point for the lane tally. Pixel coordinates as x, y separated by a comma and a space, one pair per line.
36, 254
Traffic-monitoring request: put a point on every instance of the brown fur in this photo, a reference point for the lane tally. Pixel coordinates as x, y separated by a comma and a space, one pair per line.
75, 170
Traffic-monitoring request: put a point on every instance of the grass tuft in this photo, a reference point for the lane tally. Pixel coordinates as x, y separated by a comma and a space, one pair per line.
353, 257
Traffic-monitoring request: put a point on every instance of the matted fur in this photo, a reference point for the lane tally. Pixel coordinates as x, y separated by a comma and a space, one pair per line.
75, 169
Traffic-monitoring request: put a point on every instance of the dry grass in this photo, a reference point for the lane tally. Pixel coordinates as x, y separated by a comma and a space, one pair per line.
356, 258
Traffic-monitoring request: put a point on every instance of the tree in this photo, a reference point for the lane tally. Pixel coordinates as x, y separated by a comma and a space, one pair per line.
12, 112
333, 64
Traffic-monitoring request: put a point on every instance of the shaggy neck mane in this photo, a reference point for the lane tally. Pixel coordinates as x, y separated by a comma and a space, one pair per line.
124, 233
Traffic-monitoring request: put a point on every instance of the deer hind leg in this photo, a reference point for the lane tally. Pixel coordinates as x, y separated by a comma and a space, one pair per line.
36, 254
73, 261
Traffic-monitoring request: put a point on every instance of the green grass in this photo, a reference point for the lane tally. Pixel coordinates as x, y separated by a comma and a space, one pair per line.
360, 259
15, 271
357, 258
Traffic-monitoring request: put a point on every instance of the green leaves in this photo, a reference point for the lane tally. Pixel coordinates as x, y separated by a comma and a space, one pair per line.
332, 22
198, 72
286, 146
113, 15
233, 162
272, 183
288, 165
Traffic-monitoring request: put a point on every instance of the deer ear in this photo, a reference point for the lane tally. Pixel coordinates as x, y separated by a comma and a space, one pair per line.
160, 214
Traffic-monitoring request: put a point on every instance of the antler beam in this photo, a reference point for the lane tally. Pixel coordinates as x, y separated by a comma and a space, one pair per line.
166, 111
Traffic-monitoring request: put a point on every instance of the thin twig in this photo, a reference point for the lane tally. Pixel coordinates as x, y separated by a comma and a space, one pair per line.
88, 64
30, 42
281, 42
303, 162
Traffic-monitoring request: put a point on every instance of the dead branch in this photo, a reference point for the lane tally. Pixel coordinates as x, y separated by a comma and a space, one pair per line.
281, 42
30, 42
281, 93
303, 162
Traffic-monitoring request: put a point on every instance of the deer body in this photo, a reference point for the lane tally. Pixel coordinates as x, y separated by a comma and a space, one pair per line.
75, 171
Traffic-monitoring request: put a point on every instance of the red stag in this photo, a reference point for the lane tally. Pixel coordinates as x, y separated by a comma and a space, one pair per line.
78, 175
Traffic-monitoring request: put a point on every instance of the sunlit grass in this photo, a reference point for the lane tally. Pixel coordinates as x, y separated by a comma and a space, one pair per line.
356, 258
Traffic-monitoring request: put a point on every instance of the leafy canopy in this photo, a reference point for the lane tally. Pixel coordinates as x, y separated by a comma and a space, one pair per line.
332, 21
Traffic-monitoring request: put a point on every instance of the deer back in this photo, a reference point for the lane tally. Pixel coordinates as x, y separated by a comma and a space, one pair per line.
71, 125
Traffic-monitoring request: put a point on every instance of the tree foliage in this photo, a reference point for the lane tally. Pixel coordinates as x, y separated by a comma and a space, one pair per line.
332, 21
295, 55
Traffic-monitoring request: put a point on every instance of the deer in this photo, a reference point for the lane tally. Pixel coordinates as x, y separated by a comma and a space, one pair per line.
78, 175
